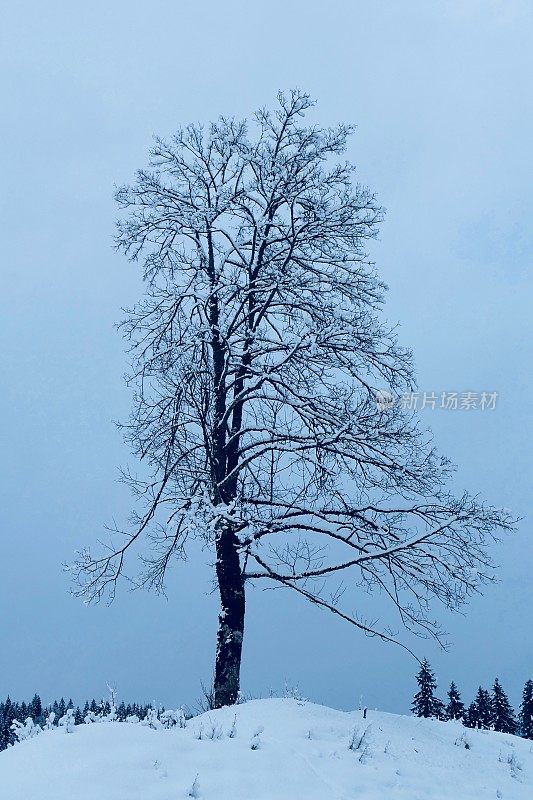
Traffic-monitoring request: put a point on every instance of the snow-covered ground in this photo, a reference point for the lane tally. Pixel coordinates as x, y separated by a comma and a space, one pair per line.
271, 750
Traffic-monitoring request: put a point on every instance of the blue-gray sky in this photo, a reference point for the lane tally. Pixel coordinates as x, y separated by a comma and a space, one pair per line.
441, 94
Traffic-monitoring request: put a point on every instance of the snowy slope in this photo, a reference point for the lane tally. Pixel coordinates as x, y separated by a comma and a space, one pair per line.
279, 749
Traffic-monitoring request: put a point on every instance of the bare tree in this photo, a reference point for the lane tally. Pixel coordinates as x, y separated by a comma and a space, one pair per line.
257, 351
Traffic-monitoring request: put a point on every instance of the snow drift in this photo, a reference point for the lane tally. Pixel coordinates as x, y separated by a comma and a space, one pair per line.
271, 750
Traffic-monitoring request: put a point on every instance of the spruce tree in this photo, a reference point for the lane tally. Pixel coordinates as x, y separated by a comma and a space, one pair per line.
425, 704
35, 709
455, 708
526, 711
8, 717
484, 714
503, 716
2, 744
471, 717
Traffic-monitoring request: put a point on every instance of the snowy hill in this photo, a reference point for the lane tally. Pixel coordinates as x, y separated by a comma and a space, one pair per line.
271, 750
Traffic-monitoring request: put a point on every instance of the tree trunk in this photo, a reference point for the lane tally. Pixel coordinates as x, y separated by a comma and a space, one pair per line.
230, 621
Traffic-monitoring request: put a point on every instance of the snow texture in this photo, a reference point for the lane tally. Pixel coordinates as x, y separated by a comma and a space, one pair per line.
271, 750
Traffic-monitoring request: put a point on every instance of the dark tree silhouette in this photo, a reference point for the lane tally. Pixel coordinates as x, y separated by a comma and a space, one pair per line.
483, 717
526, 711
257, 353
35, 708
503, 716
425, 704
455, 707
471, 716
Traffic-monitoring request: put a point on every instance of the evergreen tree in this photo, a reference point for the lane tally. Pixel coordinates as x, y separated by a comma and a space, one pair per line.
484, 714
526, 711
8, 716
425, 704
11, 711
35, 709
471, 717
455, 708
503, 716
2, 745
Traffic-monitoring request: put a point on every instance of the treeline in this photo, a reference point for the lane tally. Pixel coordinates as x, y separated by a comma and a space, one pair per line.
490, 710
50, 715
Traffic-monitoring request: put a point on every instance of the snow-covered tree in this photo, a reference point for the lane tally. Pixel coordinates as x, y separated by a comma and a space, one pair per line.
257, 355
172, 719
151, 720
35, 709
455, 707
526, 711
503, 716
49, 721
26, 730
60, 708
425, 704
67, 721
483, 717
471, 716
8, 714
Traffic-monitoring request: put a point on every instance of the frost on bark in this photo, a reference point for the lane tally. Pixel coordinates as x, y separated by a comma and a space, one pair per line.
231, 618
257, 352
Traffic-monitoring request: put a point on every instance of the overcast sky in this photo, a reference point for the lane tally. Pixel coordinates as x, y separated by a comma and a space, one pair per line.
441, 94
